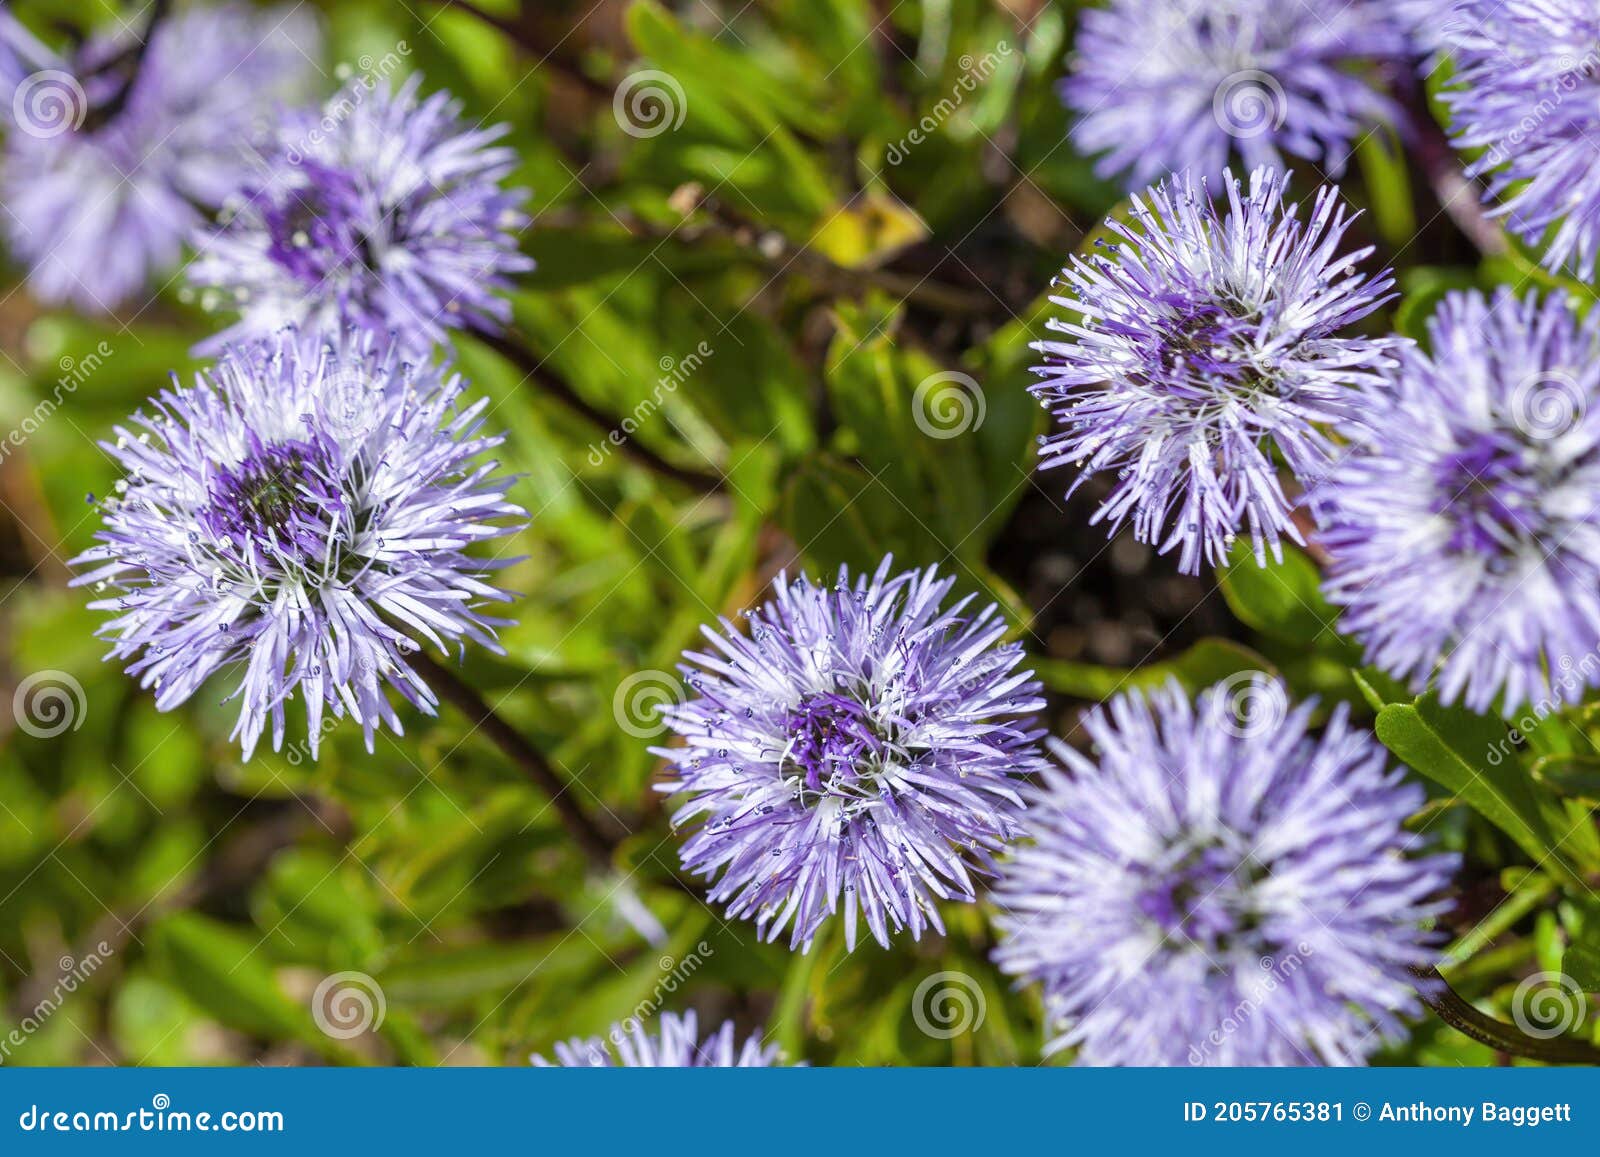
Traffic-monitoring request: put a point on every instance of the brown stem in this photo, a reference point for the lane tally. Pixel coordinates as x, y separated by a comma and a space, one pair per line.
1458, 196
1453, 1009
533, 369
133, 64
598, 845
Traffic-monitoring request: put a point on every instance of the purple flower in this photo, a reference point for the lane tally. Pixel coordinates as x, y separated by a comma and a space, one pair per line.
858, 749
1524, 93
300, 516
676, 1046
1202, 338
1220, 887
102, 181
1465, 527
1163, 86
381, 210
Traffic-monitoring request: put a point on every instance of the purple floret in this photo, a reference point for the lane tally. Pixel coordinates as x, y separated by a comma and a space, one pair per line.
382, 210
1204, 338
1164, 86
1217, 886
1465, 525
300, 517
676, 1045
858, 749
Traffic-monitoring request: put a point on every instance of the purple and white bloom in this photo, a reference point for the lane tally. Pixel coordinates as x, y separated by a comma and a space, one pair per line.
381, 210
1214, 857
677, 1045
1204, 338
858, 748
1524, 93
108, 170
301, 516
1164, 86
1465, 527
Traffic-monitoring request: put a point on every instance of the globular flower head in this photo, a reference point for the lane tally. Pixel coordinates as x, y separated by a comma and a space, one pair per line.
381, 210
1524, 92
1219, 886
300, 516
1465, 526
857, 748
1162, 86
1205, 337
676, 1045
113, 152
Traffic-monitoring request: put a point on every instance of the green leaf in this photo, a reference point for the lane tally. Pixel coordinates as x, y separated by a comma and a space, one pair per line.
1451, 746
1575, 777
227, 974
1282, 599
1207, 662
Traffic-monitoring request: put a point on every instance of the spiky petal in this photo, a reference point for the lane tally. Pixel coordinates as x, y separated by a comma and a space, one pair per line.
675, 1045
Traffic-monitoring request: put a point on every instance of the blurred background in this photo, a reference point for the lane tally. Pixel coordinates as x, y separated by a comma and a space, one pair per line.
799, 243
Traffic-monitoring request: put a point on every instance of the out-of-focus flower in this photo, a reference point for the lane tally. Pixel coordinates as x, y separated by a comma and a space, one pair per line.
301, 516
1524, 93
380, 210
1465, 529
115, 153
677, 1045
858, 748
1163, 86
1204, 338
1214, 859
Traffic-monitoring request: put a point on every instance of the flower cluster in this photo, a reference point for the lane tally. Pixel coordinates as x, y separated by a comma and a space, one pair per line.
1206, 339
1163, 86
1220, 887
852, 751
116, 150
1465, 527
677, 1045
1524, 94
381, 210
300, 515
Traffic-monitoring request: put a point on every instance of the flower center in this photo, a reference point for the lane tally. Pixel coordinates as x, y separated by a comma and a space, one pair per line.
281, 499
315, 231
1202, 899
833, 746
1204, 341
1490, 489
